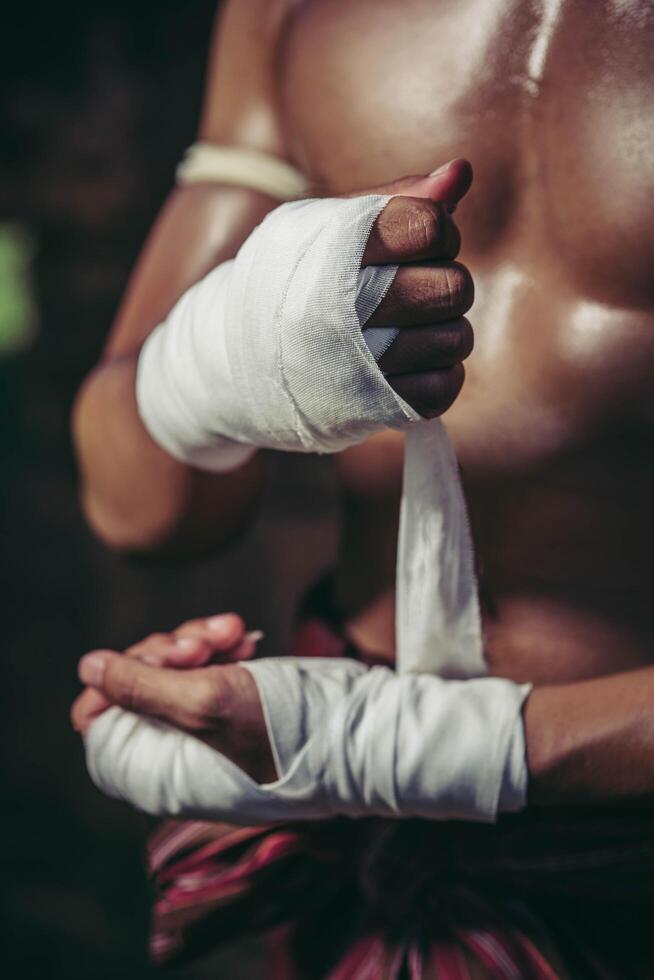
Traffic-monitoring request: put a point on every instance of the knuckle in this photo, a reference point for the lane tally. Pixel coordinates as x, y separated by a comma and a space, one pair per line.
424, 225
237, 621
190, 626
458, 288
450, 343
155, 639
452, 287
440, 391
452, 382
137, 649
130, 688
204, 703
464, 339
151, 644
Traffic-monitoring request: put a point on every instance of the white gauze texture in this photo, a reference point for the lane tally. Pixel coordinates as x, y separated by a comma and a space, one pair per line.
347, 741
268, 351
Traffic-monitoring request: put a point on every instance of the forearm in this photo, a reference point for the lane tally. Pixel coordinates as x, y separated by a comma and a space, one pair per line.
592, 741
347, 740
135, 495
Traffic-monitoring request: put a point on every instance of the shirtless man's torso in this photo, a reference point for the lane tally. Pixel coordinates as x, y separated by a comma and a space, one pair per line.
552, 102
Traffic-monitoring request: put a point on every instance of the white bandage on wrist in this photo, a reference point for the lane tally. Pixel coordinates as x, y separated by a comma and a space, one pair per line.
182, 387
268, 350
347, 741
370, 741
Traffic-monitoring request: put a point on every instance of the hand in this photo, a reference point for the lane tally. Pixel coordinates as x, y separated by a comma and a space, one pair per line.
174, 677
430, 292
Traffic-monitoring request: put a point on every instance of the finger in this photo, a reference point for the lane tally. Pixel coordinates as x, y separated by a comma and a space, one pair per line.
189, 699
248, 646
222, 631
87, 706
427, 348
195, 643
153, 648
448, 183
430, 393
425, 294
181, 652
407, 229
188, 652
410, 229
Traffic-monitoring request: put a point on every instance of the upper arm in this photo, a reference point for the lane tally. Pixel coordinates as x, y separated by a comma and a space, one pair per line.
204, 224
240, 105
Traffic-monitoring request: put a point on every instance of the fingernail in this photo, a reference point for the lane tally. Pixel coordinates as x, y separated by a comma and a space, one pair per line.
254, 636
219, 626
441, 170
186, 642
91, 669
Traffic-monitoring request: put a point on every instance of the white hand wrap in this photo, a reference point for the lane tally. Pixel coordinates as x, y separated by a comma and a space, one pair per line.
268, 351
346, 741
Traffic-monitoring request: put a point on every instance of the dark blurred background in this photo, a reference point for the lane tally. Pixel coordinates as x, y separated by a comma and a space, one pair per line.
97, 103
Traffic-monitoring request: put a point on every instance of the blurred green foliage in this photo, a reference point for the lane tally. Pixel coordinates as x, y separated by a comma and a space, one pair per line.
18, 312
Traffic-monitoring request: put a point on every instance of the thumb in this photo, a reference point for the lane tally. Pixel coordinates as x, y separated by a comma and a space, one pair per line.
448, 183
181, 698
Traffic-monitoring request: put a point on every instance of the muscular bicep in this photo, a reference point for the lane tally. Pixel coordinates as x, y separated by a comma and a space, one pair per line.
204, 224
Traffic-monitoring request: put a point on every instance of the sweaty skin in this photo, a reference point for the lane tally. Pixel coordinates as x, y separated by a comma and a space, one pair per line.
552, 102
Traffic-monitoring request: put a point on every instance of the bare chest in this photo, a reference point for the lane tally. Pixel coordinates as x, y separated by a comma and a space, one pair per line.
552, 102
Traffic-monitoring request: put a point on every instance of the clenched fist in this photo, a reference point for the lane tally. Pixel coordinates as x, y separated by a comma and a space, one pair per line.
430, 293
